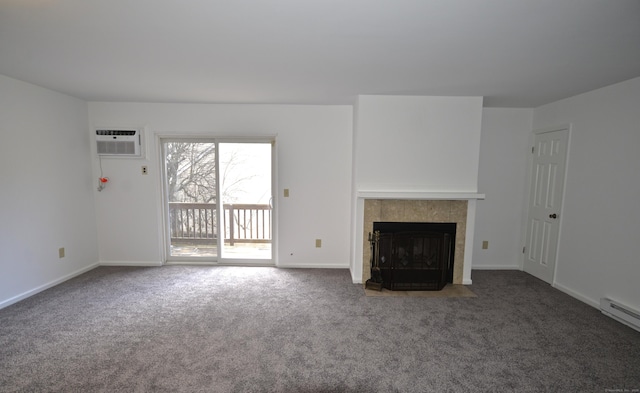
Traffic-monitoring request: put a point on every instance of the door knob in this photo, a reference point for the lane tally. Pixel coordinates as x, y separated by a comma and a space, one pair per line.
554, 216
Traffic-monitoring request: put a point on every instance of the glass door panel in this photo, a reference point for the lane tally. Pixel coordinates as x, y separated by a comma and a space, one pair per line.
245, 191
191, 190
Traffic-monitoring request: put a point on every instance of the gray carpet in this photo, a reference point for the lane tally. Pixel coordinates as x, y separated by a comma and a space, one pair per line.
234, 329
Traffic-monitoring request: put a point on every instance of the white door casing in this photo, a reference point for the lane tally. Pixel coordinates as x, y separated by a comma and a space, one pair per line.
545, 201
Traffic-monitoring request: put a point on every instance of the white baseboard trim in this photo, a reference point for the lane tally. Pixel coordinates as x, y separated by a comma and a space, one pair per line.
240, 263
496, 267
129, 263
577, 295
31, 292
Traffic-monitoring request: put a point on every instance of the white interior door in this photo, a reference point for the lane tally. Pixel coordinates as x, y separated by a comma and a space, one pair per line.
545, 200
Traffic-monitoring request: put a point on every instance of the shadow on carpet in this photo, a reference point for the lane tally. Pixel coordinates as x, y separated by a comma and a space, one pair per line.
450, 290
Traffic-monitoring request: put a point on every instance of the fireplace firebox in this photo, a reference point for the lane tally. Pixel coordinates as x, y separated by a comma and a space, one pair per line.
410, 256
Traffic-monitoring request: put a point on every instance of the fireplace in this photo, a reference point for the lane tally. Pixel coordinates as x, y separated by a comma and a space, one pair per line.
417, 210
413, 256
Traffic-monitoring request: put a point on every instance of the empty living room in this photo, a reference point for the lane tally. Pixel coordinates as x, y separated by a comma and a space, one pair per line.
319, 196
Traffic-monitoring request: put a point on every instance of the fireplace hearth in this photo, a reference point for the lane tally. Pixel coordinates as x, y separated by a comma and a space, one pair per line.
412, 256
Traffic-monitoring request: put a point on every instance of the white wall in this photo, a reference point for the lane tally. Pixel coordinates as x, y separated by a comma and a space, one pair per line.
314, 162
502, 177
46, 199
599, 237
417, 143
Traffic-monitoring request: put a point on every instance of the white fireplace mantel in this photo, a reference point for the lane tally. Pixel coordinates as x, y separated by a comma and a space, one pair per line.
418, 195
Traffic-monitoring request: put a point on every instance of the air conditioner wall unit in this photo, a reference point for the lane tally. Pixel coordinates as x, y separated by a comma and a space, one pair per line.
119, 142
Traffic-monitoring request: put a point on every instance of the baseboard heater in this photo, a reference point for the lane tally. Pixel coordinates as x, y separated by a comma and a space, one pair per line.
620, 313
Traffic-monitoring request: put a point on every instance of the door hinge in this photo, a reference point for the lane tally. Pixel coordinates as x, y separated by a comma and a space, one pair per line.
533, 148
523, 248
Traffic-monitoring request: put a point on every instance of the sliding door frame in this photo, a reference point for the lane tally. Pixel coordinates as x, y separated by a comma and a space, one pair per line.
164, 219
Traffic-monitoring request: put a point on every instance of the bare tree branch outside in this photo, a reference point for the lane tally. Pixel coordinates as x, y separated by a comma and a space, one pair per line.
191, 169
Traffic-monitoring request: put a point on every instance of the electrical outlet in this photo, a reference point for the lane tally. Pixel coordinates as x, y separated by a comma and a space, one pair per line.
61, 252
318, 243
286, 193
144, 170
485, 244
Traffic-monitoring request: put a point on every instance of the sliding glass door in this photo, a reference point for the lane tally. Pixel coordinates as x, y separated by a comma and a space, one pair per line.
218, 201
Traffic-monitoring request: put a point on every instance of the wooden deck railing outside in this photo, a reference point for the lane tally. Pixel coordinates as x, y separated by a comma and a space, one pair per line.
195, 223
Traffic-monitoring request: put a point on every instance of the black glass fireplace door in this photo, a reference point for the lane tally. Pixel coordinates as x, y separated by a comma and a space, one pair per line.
416, 260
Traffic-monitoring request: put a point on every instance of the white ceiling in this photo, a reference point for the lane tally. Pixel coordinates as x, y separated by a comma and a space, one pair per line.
515, 53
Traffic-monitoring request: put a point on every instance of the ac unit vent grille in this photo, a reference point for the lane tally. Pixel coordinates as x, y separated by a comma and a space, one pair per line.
126, 148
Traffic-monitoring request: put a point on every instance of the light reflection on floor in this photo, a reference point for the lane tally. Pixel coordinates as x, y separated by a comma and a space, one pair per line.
237, 251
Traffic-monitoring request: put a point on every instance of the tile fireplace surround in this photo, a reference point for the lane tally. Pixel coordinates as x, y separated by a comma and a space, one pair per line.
458, 208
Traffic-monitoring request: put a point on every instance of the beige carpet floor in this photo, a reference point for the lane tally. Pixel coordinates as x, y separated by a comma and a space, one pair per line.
223, 329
